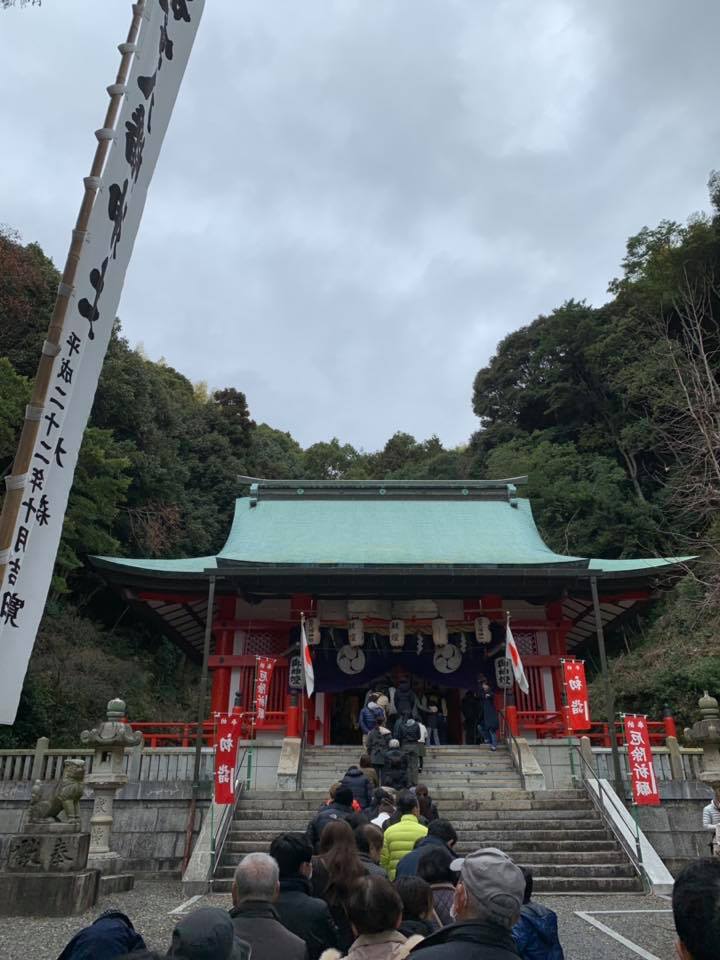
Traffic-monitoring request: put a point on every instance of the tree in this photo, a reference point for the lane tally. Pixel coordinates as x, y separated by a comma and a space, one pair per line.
15, 395
332, 461
582, 502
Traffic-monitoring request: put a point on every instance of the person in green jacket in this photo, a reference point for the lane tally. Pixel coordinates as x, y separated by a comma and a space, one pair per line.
401, 837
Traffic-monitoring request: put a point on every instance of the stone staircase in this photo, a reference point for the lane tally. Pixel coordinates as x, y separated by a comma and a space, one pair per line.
558, 834
453, 768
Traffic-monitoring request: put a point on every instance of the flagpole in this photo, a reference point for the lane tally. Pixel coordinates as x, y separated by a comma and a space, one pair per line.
15, 482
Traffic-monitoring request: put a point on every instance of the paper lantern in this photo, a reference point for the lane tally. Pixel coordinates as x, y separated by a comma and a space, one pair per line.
440, 633
356, 633
397, 634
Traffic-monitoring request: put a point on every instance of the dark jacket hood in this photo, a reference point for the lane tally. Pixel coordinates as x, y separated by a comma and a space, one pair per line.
111, 935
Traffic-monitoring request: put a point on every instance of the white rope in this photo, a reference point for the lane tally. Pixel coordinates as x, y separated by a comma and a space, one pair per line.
51, 349
15, 481
34, 411
106, 133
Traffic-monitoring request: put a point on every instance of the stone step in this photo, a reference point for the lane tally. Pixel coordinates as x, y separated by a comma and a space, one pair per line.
461, 819
478, 837
580, 885
590, 851
448, 804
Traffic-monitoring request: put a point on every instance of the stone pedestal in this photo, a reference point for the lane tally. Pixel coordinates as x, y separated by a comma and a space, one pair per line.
46, 873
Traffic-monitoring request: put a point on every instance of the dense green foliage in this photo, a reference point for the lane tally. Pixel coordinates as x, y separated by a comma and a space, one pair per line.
610, 411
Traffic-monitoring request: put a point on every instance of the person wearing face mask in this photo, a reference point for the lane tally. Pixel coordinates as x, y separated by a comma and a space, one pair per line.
306, 916
487, 903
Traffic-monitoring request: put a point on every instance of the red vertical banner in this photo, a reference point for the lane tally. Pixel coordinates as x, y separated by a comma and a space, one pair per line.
642, 772
263, 676
227, 734
578, 708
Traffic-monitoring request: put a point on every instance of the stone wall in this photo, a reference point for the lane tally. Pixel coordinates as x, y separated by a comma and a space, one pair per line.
149, 827
675, 827
150, 815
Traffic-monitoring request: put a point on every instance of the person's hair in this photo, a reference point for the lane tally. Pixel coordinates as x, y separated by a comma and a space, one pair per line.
696, 908
339, 855
406, 802
256, 877
368, 836
443, 830
416, 897
334, 789
291, 851
434, 866
372, 698
528, 884
365, 760
374, 906
344, 796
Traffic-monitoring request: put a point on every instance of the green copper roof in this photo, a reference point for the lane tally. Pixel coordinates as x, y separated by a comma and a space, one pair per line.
376, 528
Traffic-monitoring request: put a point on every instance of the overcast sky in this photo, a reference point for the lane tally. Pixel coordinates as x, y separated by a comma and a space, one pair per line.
358, 199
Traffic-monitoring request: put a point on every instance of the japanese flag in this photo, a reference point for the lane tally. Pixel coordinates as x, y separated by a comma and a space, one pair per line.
513, 655
307, 661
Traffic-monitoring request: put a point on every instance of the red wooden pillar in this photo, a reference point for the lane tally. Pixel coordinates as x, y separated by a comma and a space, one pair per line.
224, 639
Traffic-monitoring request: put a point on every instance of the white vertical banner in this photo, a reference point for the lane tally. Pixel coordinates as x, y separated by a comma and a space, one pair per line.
162, 51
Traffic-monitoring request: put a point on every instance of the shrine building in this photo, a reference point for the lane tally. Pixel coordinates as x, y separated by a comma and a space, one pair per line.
395, 578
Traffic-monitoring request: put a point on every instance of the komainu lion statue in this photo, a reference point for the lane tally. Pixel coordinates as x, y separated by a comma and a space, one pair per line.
65, 796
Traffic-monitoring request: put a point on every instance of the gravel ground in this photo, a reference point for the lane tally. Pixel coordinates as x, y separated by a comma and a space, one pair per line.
149, 906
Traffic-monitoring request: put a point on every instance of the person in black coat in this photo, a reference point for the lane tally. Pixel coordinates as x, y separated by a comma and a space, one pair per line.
489, 719
378, 742
488, 899
471, 708
360, 785
339, 809
395, 769
306, 916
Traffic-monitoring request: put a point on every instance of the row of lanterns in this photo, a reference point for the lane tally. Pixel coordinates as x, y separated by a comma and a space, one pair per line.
396, 632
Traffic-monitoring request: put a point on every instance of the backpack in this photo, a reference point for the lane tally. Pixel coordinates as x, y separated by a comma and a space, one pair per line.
410, 730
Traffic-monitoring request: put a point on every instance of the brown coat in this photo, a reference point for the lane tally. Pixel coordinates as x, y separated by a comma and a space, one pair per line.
388, 945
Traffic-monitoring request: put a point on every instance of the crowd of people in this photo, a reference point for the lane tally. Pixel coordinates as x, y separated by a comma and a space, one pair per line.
375, 877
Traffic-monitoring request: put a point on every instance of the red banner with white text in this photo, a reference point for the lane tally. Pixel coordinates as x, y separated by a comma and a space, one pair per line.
578, 711
227, 735
263, 676
642, 773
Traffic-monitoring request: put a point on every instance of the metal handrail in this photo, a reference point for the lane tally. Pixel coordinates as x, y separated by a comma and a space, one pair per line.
514, 746
598, 801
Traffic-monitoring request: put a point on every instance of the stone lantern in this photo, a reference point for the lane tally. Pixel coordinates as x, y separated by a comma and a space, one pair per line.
109, 739
706, 734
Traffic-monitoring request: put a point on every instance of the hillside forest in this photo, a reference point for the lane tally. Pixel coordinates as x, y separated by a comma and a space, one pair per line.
612, 411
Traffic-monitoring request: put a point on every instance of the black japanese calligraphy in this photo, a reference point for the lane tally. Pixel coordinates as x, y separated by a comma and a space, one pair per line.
117, 208
85, 308
73, 342
135, 140
13, 571
21, 539
43, 514
60, 451
10, 608
66, 371
37, 479
52, 422
180, 10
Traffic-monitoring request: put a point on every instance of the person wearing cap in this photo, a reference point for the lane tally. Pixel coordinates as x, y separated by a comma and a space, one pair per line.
487, 903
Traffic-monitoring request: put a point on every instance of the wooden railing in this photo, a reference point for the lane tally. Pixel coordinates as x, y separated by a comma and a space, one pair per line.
168, 734
552, 724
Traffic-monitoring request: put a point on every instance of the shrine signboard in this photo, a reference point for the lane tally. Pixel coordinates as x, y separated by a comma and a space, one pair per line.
642, 772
